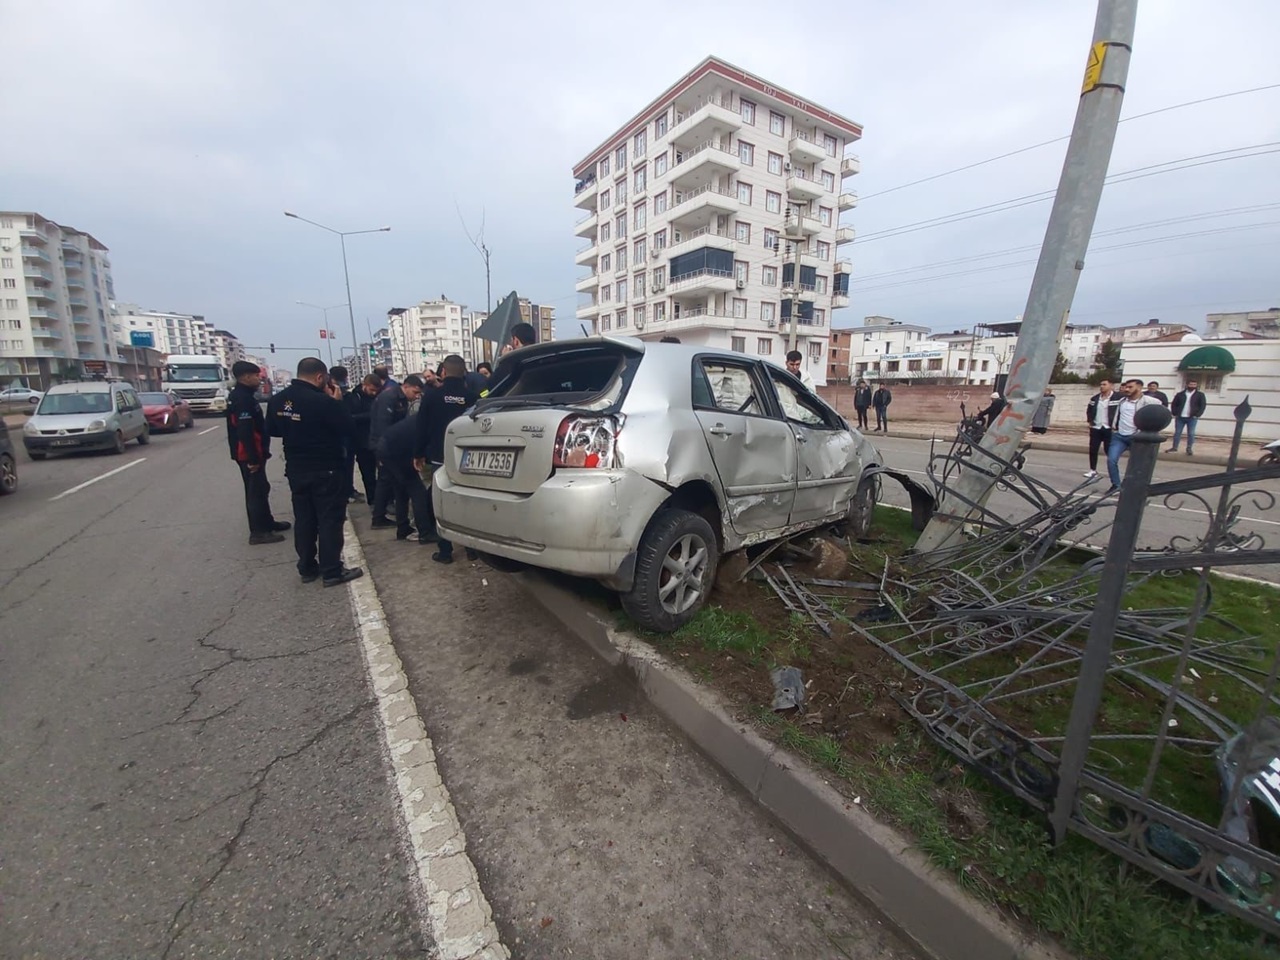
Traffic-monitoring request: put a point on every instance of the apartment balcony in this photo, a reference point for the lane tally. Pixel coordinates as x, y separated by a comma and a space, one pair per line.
50, 353
703, 283
700, 319
800, 225
850, 166
585, 194
587, 284
845, 235
703, 163
589, 312
697, 239
32, 234
44, 333
85, 338
844, 266
586, 227
74, 283
34, 272
47, 312
588, 255
41, 293
702, 121
69, 247
73, 263
704, 201
804, 150
34, 253
80, 320
839, 300
847, 201
804, 189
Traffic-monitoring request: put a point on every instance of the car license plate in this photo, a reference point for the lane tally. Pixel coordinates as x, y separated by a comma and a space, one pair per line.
64, 443
489, 463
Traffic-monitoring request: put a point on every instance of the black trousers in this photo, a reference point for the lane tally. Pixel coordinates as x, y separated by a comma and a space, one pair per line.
257, 502
407, 487
862, 417
382, 492
367, 461
319, 510
882, 418
1099, 439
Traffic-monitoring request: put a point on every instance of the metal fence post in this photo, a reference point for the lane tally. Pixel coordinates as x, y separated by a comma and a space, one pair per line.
1102, 626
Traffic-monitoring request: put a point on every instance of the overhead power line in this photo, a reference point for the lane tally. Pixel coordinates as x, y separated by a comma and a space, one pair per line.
1046, 143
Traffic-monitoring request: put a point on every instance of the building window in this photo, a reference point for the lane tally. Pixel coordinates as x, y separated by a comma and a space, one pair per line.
639, 181
742, 232
604, 167
891, 366
986, 365
935, 363
769, 276
620, 226
659, 309
6, 262
744, 193
604, 199
604, 231
764, 346
622, 258
820, 284
828, 181
746, 154
660, 126
638, 316
639, 146
748, 111
660, 204
775, 163
622, 291
824, 250
10, 283
740, 270
6, 223
830, 144
640, 216
824, 216
606, 262
777, 124
659, 276
660, 165
820, 317
11, 304
773, 201
768, 311
620, 189
660, 240
960, 364
620, 157
638, 252
739, 308
738, 344
606, 322
771, 239
606, 293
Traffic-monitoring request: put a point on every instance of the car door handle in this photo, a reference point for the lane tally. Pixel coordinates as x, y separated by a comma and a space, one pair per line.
800, 437
720, 430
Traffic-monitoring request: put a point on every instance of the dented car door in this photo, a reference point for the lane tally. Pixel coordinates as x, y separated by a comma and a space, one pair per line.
753, 449
827, 462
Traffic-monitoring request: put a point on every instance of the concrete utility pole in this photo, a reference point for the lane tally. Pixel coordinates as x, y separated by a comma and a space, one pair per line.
1061, 259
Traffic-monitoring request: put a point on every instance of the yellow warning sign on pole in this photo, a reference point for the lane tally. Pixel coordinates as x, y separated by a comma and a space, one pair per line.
1093, 72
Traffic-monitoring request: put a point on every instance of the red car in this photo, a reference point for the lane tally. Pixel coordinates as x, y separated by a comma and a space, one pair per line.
166, 412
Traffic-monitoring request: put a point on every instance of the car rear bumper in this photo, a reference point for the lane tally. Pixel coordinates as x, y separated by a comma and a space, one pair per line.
582, 522
77, 441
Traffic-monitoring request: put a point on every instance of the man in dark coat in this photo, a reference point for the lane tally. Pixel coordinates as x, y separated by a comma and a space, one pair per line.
881, 400
390, 407
440, 407
251, 449
1188, 407
359, 403
862, 402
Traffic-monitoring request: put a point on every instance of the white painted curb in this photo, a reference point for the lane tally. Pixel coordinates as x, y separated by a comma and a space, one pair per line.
458, 915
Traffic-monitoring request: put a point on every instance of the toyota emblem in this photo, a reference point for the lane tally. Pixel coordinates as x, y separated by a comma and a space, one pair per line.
486, 424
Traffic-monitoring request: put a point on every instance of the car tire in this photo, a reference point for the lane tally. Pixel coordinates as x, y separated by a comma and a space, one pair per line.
862, 509
675, 571
37, 455
8, 474
119, 447
503, 564
145, 436
1268, 459
33, 400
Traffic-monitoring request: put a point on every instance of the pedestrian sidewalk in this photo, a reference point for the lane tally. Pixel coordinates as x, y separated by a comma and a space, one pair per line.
1209, 450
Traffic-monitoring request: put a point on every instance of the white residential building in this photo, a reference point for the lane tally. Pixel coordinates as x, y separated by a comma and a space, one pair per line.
691, 209
428, 332
226, 347
55, 287
172, 332
1257, 323
887, 349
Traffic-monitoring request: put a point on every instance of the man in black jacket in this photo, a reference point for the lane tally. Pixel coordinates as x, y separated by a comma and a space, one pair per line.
251, 449
315, 427
440, 407
1100, 414
389, 408
881, 400
862, 402
1188, 407
359, 404
396, 451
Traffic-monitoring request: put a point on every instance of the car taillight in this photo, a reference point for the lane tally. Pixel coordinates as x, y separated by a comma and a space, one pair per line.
587, 442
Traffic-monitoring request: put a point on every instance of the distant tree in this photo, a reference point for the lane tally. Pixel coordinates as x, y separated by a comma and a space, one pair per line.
1059, 368
1106, 362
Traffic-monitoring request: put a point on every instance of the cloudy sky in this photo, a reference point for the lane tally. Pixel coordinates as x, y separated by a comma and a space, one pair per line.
178, 132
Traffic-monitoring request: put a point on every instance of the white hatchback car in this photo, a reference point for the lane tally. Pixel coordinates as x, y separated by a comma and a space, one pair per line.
91, 415
641, 464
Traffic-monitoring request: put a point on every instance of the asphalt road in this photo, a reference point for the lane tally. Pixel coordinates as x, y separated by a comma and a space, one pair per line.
191, 763
1260, 514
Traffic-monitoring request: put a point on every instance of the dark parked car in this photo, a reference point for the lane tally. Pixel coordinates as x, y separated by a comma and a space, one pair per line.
8, 464
166, 412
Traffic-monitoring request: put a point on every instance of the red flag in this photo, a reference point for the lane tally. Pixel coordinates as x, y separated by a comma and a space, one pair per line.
324, 334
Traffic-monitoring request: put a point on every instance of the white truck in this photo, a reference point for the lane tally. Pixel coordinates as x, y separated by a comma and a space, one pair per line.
200, 380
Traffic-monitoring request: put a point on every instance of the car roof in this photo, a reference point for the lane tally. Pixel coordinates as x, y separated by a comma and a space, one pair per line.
86, 386
668, 351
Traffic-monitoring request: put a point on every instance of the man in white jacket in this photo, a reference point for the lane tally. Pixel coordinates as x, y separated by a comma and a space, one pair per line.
1131, 401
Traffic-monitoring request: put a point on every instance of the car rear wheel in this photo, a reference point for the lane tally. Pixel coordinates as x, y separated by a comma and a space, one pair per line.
502, 564
145, 436
861, 509
119, 447
675, 570
1268, 459
8, 474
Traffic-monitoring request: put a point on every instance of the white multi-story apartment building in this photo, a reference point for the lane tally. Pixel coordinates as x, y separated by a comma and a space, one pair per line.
55, 288
226, 347
171, 332
693, 207
1247, 323
428, 332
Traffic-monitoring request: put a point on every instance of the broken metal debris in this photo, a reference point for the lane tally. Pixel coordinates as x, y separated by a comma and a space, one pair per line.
788, 689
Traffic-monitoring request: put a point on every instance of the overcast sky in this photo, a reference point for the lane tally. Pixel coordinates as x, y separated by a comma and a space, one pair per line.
177, 133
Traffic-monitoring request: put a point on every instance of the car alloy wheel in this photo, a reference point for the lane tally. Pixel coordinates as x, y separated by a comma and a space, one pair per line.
675, 569
8, 474
119, 447
684, 570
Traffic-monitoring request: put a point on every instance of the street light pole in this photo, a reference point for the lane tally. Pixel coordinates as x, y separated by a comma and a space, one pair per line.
346, 275
328, 334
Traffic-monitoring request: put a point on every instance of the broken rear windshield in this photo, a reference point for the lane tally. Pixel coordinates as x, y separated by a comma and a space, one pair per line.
569, 376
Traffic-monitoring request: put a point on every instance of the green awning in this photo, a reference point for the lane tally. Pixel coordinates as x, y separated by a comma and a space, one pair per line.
1211, 359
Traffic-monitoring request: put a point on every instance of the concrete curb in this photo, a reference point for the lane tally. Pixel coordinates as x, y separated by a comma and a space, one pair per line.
876, 861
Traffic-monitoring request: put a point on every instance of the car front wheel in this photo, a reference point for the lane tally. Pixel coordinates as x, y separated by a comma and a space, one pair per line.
8, 474
145, 436
861, 509
675, 570
119, 445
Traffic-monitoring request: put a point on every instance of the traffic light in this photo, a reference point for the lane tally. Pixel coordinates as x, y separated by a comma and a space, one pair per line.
372, 351
273, 348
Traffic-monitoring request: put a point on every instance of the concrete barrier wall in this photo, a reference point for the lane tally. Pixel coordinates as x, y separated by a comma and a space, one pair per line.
914, 403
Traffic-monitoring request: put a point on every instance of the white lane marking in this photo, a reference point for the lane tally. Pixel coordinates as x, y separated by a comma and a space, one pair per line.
457, 912
206, 430
89, 483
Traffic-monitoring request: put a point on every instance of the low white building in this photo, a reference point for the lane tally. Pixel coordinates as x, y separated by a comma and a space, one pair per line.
887, 349
1227, 371
1259, 323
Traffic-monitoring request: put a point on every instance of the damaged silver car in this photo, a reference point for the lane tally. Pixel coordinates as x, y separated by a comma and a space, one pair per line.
642, 464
